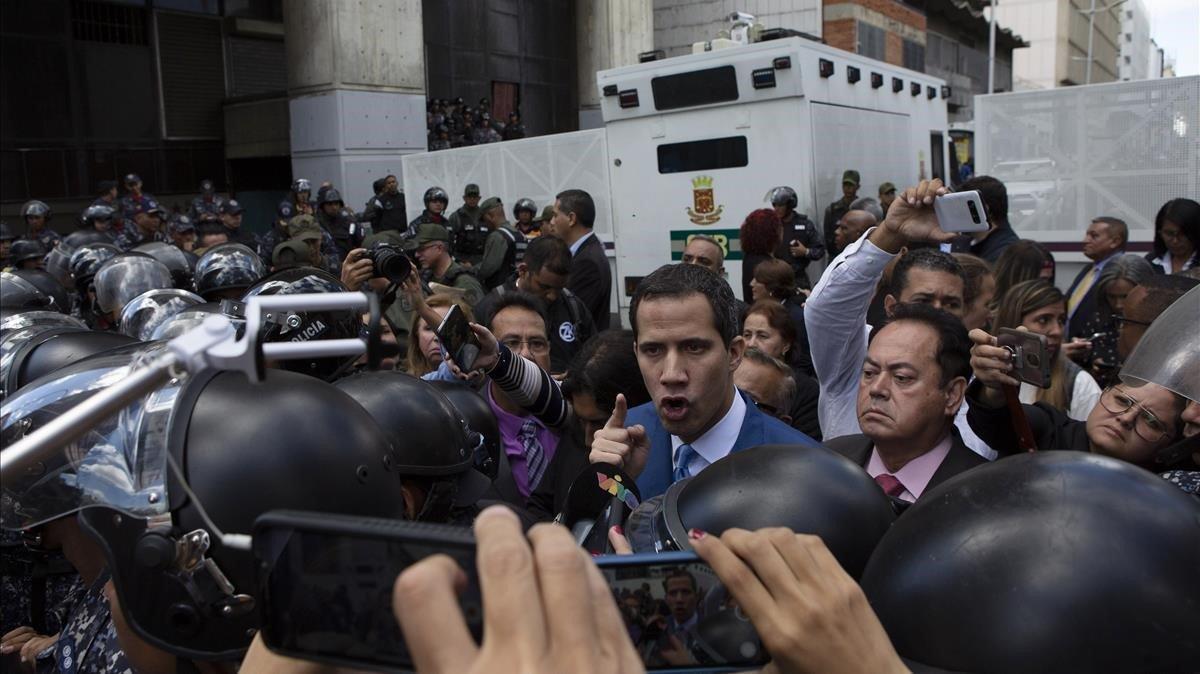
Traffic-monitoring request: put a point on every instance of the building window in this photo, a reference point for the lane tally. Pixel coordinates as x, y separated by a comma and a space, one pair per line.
1129, 37
872, 41
914, 56
703, 155
1128, 60
102, 22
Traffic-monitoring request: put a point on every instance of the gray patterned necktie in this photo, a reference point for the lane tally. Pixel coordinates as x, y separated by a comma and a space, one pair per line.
531, 449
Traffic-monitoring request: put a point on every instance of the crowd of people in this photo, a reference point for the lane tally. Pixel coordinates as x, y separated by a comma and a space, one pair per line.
456, 124
918, 358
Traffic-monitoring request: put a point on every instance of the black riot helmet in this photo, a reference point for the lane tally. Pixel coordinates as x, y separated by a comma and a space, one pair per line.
180, 586
26, 249
58, 261
193, 316
524, 204
82, 237
35, 208
227, 267
330, 196
301, 185
181, 263
307, 326
784, 196
430, 438
1044, 562
436, 194
86, 261
143, 314
810, 490
6, 233
126, 276
480, 421
96, 212
47, 350
59, 297
17, 295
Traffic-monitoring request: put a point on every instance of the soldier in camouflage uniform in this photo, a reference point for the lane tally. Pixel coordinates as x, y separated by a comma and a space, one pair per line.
135, 199
207, 203
305, 228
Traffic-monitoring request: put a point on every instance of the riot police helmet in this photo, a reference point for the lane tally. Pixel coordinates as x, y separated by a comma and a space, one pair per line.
810, 490
481, 421
1044, 562
227, 268
34, 208
18, 294
784, 196
191, 317
524, 204
330, 196
96, 212
143, 314
87, 260
181, 263
126, 276
436, 194
6, 233
301, 185
430, 439
24, 250
39, 351
60, 298
307, 326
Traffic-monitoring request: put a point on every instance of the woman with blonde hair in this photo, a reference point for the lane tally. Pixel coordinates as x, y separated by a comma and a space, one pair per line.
424, 350
1041, 308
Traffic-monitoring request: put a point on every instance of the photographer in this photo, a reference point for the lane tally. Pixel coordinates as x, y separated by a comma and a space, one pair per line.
1129, 422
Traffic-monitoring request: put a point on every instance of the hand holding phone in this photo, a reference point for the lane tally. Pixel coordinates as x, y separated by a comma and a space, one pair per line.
1030, 360
458, 339
961, 212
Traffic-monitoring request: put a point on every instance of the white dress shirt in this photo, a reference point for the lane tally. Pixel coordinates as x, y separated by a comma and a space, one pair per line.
716, 443
579, 242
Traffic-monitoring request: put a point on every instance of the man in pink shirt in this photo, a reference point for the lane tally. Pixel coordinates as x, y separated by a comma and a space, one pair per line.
911, 385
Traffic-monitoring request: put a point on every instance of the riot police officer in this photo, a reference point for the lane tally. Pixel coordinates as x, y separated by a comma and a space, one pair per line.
135, 199
278, 233
207, 203
802, 243
301, 196
523, 212
147, 226
436, 201
387, 209
28, 254
335, 219
467, 235
99, 218
37, 219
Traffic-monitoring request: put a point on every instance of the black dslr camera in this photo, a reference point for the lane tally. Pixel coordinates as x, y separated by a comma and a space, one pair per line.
389, 261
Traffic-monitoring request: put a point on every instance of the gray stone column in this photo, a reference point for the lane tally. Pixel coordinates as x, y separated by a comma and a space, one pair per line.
608, 34
356, 90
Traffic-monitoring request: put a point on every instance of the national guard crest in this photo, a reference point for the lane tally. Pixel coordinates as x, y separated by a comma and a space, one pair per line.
705, 210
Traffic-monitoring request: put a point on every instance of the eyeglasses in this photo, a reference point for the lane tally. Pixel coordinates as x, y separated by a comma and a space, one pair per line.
1121, 319
537, 345
1148, 427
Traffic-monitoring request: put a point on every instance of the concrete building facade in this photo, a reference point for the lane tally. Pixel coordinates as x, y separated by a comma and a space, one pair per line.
1057, 32
1134, 61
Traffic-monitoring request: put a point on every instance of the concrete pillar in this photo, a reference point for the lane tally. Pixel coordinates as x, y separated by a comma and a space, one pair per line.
608, 34
356, 90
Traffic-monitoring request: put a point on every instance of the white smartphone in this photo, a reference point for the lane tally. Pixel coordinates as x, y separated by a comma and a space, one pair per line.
961, 212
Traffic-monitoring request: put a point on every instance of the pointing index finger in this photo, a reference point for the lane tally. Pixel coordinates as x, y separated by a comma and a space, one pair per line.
620, 409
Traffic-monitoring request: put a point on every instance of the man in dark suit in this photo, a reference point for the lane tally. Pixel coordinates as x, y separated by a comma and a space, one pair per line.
913, 380
686, 339
591, 279
1104, 241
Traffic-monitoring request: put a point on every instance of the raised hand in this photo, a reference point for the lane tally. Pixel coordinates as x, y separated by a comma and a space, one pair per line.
625, 448
911, 218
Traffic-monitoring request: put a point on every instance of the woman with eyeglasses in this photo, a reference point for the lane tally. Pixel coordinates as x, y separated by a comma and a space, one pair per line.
768, 327
1131, 423
1041, 308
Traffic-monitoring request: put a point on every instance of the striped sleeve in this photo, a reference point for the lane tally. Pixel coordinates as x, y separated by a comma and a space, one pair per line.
530, 386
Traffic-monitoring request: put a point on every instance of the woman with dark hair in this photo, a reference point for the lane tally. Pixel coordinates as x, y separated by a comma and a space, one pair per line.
1041, 308
767, 326
1119, 277
1176, 237
761, 234
1024, 260
776, 280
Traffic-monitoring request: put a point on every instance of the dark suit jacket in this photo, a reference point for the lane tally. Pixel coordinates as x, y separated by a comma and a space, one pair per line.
858, 448
591, 280
757, 429
1077, 322
1051, 428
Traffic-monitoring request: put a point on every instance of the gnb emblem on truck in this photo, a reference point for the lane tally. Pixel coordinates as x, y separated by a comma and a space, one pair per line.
706, 211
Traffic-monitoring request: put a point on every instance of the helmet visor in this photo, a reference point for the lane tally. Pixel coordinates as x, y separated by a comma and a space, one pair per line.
118, 464
1169, 353
144, 313
123, 279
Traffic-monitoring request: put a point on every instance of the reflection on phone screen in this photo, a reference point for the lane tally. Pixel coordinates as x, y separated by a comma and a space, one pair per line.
682, 616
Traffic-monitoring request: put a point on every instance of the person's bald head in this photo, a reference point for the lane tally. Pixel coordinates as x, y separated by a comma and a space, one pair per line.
852, 226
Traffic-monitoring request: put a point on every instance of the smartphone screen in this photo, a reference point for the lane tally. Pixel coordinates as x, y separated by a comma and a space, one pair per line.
327, 595
458, 339
678, 613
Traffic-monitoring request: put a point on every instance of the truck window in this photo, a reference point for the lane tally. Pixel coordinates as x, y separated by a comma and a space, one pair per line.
703, 155
699, 87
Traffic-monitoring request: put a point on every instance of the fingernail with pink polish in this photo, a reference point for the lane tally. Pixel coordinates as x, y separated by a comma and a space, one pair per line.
696, 534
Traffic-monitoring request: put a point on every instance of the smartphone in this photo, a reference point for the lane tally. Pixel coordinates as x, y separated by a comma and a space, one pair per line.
679, 615
325, 584
961, 212
1030, 362
458, 339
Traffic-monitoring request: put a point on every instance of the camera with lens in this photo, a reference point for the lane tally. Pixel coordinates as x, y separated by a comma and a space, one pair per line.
389, 262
